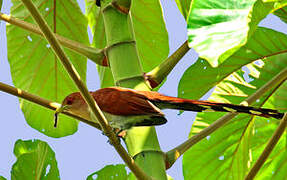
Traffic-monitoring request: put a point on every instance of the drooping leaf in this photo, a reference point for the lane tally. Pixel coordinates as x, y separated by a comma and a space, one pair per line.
35, 160
96, 23
116, 172
92, 13
183, 6
150, 33
2, 178
282, 14
230, 152
218, 28
204, 77
35, 68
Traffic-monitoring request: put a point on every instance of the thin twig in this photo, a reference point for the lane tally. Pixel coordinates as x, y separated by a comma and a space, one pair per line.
95, 55
42, 102
139, 173
174, 154
159, 73
268, 149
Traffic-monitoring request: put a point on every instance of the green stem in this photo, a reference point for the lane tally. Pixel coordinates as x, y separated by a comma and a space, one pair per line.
159, 73
83, 89
42, 102
268, 149
93, 54
141, 142
175, 153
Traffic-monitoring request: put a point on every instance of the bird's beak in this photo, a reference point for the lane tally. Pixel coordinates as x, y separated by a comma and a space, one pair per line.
58, 111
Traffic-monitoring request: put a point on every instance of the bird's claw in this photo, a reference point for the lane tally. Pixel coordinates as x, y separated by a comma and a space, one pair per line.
119, 133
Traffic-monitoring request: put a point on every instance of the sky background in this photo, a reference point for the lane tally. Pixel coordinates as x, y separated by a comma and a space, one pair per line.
87, 150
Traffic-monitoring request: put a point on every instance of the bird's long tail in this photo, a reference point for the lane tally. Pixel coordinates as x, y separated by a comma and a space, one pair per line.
208, 106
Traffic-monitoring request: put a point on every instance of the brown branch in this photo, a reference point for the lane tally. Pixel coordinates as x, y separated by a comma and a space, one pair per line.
93, 54
42, 102
268, 149
174, 154
159, 73
139, 173
122, 6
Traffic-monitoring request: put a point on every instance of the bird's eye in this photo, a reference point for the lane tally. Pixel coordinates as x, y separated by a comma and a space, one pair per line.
69, 101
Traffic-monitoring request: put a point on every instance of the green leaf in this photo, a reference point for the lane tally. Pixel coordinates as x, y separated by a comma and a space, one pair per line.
96, 23
1, 1
229, 152
34, 67
282, 14
92, 13
2, 178
256, 48
116, 172
275, 166
35, 160
183, 6
150, 33
218, 28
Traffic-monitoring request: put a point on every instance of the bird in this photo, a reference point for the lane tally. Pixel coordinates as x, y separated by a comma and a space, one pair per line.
125, 108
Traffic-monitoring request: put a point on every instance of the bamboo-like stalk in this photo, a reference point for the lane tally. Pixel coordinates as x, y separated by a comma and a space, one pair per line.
268, 149
96, 55
174, 154
83, 89
159, 73
42, 102
141, 142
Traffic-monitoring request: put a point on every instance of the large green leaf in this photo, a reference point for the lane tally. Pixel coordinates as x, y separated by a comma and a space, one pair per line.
116, 172
256, 48
183, 6
218, 28
35, 68
149, 29
282, 14
35, 160
2, 178
229, 152
92, 13
96, 23
150, 33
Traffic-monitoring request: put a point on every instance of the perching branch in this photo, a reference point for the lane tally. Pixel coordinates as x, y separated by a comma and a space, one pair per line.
96, 55
107, 129
174, 154
268, 149
159, 73
42, 102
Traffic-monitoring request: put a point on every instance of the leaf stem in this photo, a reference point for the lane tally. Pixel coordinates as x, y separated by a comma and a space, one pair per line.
174, 154
268, 149
96, 55
42, 102
107, 129
159, 73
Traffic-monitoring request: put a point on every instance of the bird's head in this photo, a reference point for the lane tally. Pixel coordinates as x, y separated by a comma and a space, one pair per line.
75, 104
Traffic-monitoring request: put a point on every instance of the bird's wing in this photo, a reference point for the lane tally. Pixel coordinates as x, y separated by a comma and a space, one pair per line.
125, 102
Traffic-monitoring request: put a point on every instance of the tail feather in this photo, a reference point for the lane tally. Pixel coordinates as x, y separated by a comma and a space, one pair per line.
205, 106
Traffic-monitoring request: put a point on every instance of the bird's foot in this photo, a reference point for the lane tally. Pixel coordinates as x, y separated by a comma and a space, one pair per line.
119, 133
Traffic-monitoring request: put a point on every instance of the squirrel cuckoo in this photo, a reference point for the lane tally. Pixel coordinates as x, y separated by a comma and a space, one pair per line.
125, 108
